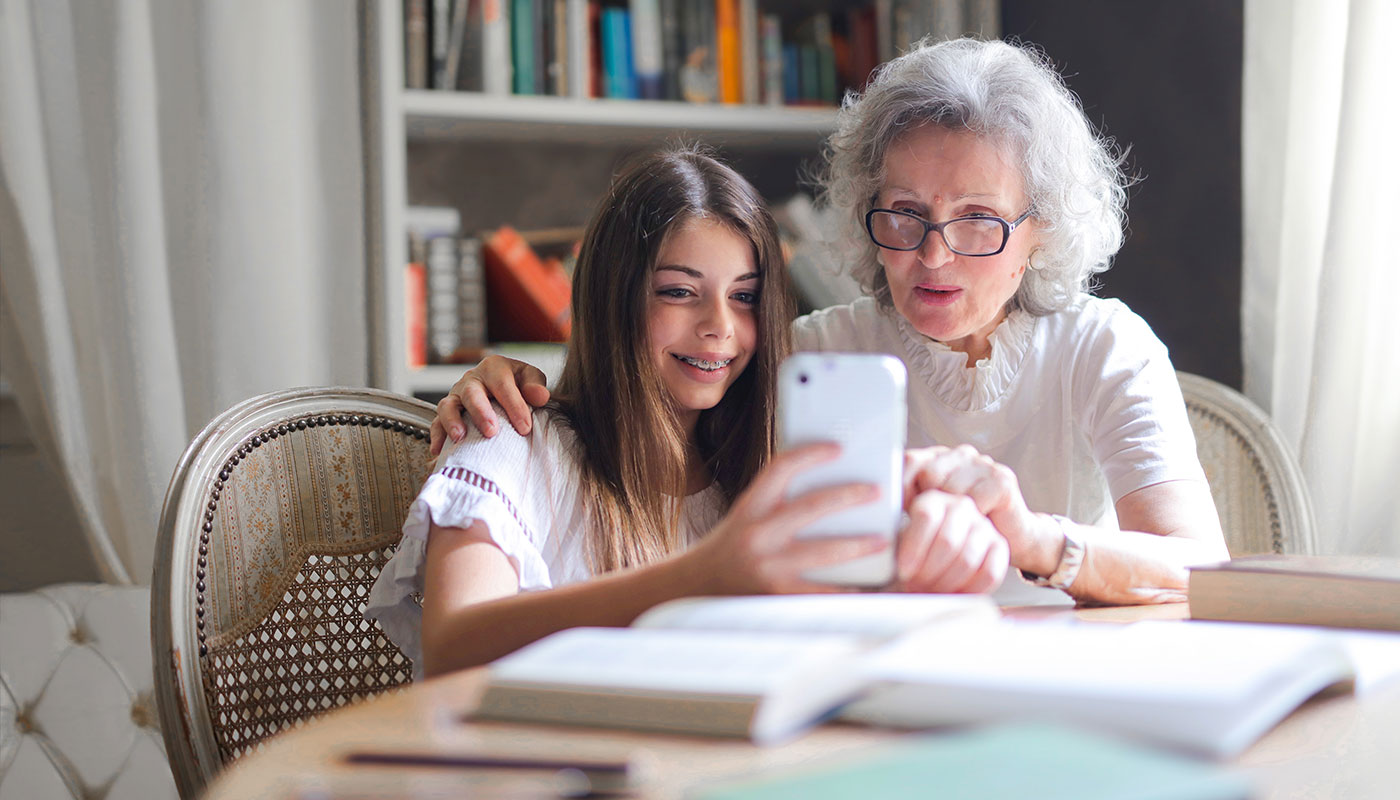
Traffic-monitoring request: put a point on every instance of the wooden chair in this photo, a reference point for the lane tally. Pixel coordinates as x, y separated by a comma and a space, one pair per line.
277, 521
1255, 480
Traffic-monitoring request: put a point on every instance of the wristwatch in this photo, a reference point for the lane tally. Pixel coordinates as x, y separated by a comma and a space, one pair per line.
1070, 559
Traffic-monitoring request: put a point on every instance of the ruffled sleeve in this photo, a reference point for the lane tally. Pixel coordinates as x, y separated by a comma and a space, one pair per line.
517, 486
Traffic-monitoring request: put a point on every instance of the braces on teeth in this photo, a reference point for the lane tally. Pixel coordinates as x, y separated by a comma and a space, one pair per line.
708, 366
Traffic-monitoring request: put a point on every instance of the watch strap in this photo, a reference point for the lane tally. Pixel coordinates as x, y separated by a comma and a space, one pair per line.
1071, 558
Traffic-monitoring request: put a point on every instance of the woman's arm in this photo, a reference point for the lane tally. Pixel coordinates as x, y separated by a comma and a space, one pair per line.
1165, 528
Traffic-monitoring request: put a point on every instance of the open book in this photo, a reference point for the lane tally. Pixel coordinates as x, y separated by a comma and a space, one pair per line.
764, 667
1204, 687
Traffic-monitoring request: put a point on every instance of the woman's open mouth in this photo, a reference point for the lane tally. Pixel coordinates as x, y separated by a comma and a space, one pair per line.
938, 295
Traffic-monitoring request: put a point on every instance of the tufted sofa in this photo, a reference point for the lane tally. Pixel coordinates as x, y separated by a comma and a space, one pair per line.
77, 711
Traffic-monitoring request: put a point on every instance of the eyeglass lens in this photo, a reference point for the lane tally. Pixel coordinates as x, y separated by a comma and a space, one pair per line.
971, 236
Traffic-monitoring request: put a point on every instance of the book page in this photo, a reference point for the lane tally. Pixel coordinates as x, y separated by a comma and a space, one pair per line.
1201, 661
671, 660
876, 615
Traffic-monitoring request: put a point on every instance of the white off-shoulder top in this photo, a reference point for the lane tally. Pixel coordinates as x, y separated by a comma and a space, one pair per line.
525, 490
1083, 404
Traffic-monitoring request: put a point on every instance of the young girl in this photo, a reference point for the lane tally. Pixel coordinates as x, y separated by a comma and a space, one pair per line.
662, 415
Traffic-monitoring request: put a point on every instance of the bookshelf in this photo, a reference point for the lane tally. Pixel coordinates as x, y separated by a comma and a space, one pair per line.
398, 122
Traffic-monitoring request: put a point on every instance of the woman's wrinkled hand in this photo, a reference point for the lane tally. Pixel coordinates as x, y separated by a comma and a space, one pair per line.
948, 545
754, 549
992, 488
514, 385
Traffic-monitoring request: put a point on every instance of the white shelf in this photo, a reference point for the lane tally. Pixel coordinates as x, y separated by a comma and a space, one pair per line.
439, 378
465, 116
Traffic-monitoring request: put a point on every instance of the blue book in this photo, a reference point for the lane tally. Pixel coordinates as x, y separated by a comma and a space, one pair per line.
629, 71
610, 30
792, 74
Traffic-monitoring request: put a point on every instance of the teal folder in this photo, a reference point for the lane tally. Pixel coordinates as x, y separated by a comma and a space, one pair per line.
1043, 762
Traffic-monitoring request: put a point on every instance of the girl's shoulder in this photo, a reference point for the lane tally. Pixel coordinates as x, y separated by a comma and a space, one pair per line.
550, 444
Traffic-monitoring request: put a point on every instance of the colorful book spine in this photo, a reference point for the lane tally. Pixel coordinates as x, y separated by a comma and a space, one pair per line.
440, 37
580, 46
772, 32
496, 68
415, 297
415, 45
672, 49
646, 47
522, 46
728, 56
750, 48
792, 73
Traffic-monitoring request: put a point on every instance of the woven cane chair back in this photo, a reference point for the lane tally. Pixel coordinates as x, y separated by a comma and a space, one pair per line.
1257, 485
277, 521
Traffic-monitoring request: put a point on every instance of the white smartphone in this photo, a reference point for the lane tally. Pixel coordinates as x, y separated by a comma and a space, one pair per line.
856, 400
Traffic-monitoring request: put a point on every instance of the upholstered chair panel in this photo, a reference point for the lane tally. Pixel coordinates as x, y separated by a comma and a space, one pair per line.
77, 711
1255, 481
278, 520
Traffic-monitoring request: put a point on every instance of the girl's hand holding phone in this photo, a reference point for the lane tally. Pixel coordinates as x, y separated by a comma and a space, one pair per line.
754, 549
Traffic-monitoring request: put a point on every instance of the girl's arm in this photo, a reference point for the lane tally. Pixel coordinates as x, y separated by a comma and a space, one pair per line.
474, 613
1166, 527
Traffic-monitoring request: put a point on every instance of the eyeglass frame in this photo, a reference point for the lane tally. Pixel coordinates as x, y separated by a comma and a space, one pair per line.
1007, 227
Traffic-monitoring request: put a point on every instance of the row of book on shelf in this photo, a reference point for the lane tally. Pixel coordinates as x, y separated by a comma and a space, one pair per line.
462, 292
729, 51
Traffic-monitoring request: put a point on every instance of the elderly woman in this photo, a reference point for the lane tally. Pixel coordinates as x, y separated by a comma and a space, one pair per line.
980, 204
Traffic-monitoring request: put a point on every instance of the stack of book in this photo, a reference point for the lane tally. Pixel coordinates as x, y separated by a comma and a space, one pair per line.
729, 51
445, 289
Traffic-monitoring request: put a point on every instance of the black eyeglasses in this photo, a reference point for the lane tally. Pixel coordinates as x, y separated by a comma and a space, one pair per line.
966, 236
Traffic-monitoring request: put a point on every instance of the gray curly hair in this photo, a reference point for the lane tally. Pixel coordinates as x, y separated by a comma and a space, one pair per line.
1012, 95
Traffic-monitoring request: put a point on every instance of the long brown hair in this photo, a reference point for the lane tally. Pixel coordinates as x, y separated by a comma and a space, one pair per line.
633, 447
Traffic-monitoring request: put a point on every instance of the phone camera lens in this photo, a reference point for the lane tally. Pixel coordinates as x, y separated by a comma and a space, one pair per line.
802, 378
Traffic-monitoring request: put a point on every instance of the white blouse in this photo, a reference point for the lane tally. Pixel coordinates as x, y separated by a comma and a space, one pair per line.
525, 490
1082, 404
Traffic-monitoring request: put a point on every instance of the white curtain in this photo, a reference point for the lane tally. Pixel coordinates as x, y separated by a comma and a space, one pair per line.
181, 227
1321, 134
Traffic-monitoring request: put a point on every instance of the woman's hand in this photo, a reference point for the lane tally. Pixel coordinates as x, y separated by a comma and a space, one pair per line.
995, 492
510, 383
948, 546
754, 549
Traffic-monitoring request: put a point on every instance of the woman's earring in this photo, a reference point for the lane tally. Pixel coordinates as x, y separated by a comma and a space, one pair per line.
1030, 260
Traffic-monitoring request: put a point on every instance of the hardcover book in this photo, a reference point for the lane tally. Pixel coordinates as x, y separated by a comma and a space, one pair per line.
1336, 591
763, 668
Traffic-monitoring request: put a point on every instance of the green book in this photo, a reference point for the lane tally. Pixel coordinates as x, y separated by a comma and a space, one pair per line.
1040, 761
522, 45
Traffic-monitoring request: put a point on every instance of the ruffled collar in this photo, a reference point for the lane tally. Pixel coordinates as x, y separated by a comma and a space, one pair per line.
945, 371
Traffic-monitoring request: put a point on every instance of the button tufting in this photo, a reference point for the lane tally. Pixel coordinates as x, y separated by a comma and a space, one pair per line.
142, 714
76, 636
24, 724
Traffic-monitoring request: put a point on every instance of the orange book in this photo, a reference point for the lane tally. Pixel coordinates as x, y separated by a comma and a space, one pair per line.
415, 301
729, 56
527, 297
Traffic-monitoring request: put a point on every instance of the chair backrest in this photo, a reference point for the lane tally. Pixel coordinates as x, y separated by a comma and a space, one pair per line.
1254, 478
277, 521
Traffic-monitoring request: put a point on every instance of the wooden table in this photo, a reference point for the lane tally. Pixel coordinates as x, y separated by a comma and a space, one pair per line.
1332, 747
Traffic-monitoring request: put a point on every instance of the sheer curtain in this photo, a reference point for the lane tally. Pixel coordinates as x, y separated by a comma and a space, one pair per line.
1322, 256
181, 227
